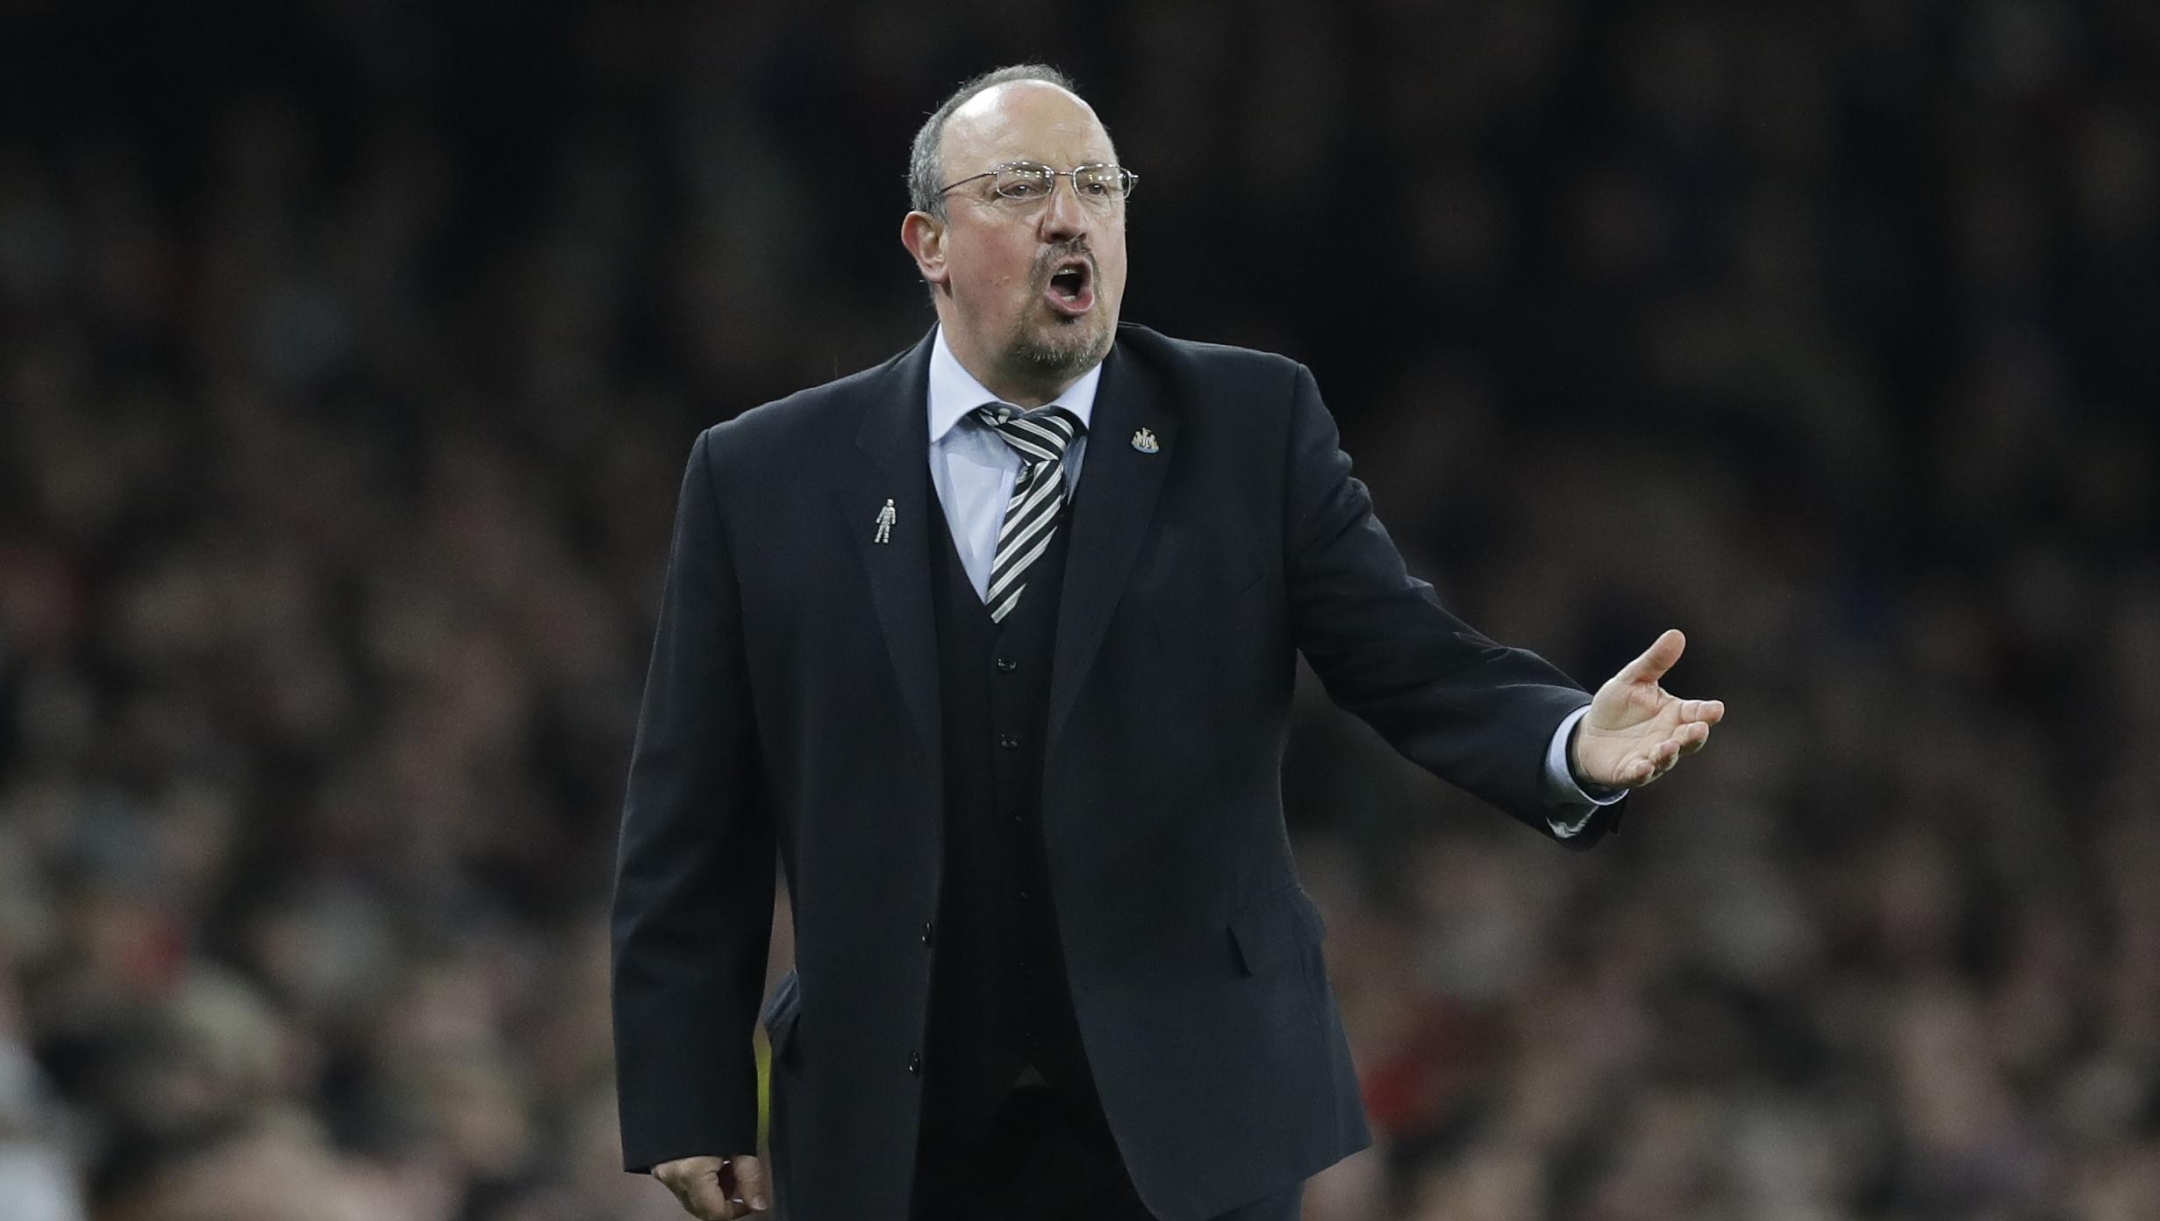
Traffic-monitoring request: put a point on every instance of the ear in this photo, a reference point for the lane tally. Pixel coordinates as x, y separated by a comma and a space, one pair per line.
924, 237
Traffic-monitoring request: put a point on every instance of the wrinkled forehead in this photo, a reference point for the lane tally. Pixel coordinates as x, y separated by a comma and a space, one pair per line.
1024, 121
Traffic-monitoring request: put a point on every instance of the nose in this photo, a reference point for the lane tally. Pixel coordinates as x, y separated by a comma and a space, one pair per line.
1066, 217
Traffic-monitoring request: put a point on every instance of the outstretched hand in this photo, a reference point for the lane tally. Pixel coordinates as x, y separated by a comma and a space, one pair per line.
1636, 730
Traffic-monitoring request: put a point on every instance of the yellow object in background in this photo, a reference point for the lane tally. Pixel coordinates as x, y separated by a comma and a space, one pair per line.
764, 1088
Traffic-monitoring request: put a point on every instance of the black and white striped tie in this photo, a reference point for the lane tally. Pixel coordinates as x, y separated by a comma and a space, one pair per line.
1039, 437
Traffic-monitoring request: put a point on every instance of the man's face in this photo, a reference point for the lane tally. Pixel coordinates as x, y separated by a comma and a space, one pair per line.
1029, 288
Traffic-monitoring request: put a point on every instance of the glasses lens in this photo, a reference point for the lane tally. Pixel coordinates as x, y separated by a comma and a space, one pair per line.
1024, 181
1102, 182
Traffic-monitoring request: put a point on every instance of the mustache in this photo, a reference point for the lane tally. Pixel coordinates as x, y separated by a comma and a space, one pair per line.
1051, 256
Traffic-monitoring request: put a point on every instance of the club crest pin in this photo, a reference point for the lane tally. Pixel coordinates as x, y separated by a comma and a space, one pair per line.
885, 519
1144, 441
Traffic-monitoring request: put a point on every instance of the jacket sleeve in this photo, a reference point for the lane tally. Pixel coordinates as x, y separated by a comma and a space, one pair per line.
1476, 714
694, 866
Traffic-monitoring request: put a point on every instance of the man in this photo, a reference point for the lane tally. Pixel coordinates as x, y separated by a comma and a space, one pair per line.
1015, 736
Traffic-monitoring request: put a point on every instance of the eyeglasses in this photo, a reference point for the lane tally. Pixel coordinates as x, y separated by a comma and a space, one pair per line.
1101, 186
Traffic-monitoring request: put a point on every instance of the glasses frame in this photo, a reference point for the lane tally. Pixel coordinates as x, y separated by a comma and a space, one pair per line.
1129, 178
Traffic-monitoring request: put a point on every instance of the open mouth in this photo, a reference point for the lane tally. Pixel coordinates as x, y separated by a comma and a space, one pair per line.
1072, 287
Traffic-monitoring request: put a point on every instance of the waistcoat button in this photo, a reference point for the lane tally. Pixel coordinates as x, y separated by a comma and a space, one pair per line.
914, 1062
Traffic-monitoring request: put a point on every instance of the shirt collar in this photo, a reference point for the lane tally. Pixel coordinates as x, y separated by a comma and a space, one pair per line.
954, 392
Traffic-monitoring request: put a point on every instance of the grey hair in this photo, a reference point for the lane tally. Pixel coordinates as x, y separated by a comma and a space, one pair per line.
924, 159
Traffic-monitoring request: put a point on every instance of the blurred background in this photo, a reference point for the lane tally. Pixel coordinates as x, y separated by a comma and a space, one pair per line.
350, 351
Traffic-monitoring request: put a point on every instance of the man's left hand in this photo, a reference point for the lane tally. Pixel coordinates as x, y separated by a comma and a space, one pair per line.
1636, 730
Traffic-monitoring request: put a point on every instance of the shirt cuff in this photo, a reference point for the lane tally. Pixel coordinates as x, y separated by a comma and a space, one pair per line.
1573, 807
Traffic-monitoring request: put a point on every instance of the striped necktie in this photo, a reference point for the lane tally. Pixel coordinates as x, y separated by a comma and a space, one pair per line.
1039, 437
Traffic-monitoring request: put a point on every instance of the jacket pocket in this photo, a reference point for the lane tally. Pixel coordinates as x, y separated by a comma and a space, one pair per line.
1269, 931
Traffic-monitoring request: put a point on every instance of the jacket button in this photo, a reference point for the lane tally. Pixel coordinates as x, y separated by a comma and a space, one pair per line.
1009, 741
914, 1062
1007, 665
926, 926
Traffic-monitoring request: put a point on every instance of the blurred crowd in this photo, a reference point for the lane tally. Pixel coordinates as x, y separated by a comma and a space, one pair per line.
350, 352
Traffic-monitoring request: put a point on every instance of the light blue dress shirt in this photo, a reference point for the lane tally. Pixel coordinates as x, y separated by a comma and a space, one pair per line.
974, 472
973, 468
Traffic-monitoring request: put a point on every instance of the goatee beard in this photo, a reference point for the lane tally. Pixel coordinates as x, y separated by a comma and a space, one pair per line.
1062, 356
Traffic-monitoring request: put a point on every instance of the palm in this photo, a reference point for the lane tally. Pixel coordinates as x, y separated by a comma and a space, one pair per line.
1636, 730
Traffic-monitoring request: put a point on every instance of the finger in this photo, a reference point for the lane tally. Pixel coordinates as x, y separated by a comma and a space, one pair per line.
1644, 771
702, 1194
1656, 659
1656, 761
1708, 712
753, 1183
1692, 737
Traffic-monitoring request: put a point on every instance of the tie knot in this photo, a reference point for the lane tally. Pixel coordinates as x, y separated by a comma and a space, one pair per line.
1040, 435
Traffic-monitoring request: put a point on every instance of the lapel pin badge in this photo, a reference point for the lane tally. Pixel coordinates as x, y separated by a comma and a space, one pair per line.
885, 519
1144, 441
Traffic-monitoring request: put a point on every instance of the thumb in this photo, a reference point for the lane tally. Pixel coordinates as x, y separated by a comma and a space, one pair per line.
1656, 659
753, 1182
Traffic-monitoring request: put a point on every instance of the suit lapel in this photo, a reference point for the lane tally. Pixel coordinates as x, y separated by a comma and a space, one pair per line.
895, 439
1119, 484
1115, 501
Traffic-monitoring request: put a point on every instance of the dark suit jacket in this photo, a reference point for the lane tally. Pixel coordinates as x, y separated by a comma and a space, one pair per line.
793, 703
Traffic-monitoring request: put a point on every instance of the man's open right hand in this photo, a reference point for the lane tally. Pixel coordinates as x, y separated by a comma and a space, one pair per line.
717, 1188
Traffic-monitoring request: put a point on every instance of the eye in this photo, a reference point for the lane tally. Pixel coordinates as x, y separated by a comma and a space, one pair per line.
1022, 184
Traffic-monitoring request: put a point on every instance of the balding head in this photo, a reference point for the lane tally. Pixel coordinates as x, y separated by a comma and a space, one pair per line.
1021, 119
926, 159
